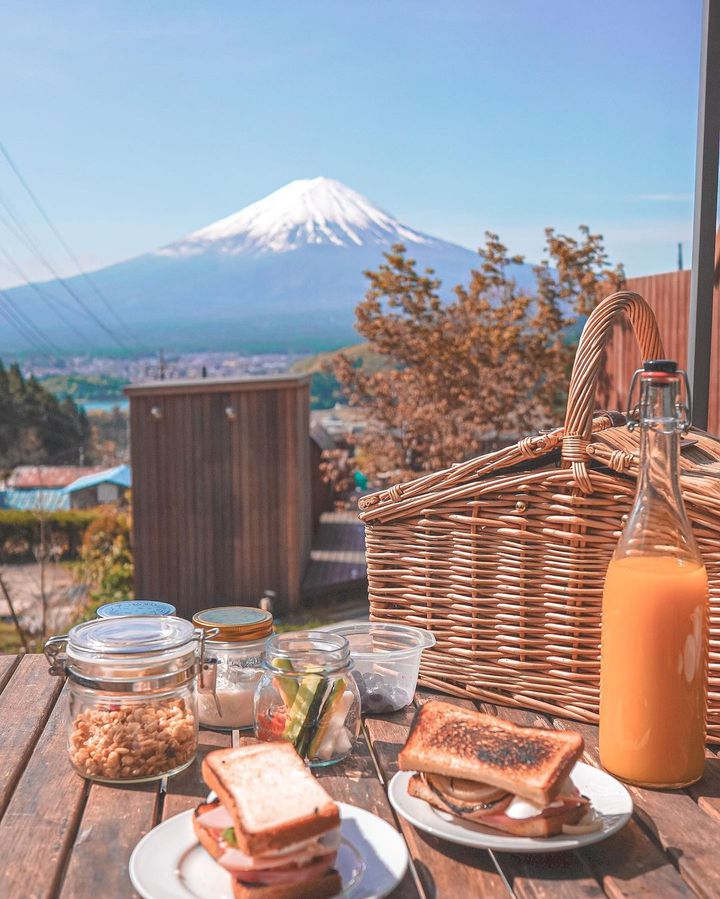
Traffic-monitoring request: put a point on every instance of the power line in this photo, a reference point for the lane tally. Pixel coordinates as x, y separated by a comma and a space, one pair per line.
7, 313
53, 302
28, 323
30, 243
43, 212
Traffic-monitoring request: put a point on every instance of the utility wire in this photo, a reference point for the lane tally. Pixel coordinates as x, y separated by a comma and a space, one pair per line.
53, 302
29, 324
6, 312
41, 209
58, 277
26, 240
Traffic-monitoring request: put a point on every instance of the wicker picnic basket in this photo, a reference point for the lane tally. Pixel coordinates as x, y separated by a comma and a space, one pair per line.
503, 557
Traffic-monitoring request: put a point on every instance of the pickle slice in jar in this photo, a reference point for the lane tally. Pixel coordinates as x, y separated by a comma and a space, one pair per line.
310, 687
326, 716
287, 687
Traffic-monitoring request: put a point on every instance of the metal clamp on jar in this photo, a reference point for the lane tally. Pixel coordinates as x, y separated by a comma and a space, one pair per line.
235, 640
133, 696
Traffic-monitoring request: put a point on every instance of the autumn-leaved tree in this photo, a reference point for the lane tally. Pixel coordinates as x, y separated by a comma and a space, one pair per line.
468, 373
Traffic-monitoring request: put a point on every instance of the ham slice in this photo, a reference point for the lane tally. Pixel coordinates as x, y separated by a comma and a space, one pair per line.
558, 807
285, 875
322, 849
218, 818
236, 861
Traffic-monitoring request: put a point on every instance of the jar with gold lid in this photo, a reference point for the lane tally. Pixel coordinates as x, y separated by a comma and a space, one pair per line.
232, 665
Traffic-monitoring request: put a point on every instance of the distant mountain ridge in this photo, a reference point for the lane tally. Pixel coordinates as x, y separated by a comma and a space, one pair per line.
283, 274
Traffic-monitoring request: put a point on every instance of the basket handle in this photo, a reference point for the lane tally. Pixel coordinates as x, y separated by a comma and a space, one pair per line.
587, 365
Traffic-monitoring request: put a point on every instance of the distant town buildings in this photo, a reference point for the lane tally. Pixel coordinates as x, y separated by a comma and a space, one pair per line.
52, 488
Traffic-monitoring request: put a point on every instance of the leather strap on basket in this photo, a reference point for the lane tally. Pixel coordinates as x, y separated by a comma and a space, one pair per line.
586, 371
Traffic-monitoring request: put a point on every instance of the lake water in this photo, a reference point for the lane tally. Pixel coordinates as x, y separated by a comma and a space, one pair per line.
106, 406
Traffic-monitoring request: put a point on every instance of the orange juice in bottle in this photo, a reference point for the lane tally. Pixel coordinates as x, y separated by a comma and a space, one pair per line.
653, 677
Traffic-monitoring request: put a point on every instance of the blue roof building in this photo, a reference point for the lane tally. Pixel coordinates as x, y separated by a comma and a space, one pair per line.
97, 489
35, 499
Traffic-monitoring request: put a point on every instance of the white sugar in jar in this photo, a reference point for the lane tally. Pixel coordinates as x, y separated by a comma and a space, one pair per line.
232, 666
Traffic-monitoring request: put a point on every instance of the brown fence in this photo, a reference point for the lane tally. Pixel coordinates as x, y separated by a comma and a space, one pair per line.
669, 296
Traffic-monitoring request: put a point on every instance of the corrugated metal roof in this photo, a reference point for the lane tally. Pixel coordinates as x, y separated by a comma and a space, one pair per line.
120, 475
35, 500
48, 476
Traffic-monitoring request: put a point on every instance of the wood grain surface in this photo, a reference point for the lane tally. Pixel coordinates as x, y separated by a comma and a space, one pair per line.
61, 836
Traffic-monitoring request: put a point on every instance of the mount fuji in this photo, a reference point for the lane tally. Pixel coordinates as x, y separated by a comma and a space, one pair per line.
284, 273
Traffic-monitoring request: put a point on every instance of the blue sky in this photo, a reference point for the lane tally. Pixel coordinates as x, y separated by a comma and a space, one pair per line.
137, 122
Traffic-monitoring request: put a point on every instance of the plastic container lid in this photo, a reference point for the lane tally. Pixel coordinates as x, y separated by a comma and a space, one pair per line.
128, 636
135, 607
374, 639
236, 624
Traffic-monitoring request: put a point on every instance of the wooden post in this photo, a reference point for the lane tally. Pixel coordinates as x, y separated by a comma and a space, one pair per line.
705, 219
8, 600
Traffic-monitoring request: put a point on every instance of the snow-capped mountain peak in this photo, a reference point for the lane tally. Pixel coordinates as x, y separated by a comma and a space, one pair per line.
304, 212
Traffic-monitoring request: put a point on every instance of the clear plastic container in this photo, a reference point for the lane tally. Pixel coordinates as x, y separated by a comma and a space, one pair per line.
387, 662
133, 696
308, 696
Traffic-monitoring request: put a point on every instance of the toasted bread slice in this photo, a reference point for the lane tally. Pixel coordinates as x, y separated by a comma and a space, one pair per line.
531, 762
527, 827
271, 796
324, 887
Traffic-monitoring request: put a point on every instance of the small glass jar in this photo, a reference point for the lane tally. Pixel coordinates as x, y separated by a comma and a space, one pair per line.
133, 696
308, 696
232, 666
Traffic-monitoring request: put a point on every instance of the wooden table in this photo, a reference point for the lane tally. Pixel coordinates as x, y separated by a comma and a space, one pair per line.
63, 836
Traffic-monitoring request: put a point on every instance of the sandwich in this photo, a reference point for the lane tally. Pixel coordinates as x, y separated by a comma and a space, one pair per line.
273, 827
495, 773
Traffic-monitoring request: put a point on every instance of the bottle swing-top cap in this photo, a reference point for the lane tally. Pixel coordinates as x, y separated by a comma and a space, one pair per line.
662, 365
652, 368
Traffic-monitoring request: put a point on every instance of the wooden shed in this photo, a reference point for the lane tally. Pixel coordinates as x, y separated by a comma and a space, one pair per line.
222, 507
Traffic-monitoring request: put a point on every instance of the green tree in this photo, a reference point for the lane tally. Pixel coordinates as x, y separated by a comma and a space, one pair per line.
36, 427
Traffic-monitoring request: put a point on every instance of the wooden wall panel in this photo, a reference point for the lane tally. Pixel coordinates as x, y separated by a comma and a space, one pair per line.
222, 503
669, 296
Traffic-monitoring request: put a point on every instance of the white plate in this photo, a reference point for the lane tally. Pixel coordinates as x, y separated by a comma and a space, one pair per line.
608, 797
169, 863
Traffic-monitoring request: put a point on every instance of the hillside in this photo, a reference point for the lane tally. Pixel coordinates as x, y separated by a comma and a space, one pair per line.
324, 388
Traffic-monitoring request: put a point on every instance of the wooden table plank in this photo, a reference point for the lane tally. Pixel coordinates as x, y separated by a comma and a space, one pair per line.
688, 835
8, 663
25, 704
444, 869
114, 820
188, 789
707, 791
630, 863
40, 822
356, 782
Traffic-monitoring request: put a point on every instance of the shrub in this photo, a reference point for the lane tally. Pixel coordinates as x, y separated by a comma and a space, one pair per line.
106, 562
20, 532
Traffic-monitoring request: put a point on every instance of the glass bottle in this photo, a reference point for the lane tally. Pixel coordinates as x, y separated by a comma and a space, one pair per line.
308, 696
653, 678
